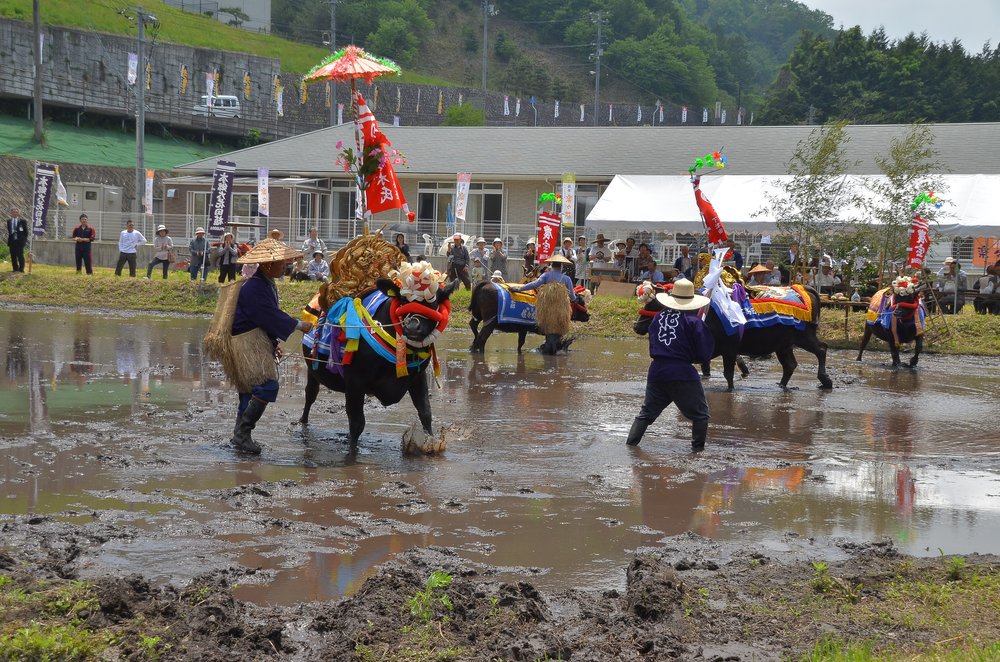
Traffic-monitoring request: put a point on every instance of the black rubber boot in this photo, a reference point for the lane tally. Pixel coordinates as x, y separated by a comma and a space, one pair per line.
699, 431
635, 434
242, 441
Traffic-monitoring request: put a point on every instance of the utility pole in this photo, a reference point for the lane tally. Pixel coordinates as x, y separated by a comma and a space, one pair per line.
140, 113
36, 108
486, 16
333, 49
597, 71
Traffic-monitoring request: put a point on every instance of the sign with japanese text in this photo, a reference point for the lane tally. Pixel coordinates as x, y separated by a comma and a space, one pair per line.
985, 251
263, 195
148, 198
462, 194
920, 242
569, 199
220, 203
548, 235
45, 174
382, 190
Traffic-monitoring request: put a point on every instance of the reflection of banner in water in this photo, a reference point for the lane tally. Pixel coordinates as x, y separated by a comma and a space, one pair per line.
38, 411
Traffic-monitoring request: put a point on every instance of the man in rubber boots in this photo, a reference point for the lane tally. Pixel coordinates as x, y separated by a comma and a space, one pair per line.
257, 308
678, 338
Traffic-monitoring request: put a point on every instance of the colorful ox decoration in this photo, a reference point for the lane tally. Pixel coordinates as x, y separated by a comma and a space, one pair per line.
378, 343
896, 315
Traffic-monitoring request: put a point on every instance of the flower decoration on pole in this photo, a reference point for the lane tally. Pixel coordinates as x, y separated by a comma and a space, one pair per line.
905, 285
370, 159
550, 197
926, 197
713, 160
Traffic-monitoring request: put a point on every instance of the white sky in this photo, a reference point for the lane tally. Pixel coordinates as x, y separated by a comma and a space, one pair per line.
971, 21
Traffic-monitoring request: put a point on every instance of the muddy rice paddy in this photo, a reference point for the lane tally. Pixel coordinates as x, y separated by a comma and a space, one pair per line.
113, 431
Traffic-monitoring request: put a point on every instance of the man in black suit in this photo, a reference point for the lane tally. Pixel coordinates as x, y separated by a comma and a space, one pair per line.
17, 237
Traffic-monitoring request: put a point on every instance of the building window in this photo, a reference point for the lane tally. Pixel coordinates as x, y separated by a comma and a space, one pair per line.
244, 210
198, 211
345, 200
436, 211
306, 215
586, 197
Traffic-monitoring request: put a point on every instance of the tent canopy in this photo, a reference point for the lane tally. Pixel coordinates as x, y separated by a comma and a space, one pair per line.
665, 203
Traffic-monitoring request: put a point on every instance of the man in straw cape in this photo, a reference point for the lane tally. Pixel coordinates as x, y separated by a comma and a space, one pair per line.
677, 338
258, 325
553, 275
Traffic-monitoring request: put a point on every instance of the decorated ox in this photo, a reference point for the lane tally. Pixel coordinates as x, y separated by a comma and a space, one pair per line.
356, 348
495, 306
775, 321
896, 315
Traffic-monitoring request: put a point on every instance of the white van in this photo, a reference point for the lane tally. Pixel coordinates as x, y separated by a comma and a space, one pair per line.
221, 106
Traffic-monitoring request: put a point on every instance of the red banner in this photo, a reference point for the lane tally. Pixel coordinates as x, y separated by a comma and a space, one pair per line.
985, 251
382, 189
920, 241
716, 233
548, 235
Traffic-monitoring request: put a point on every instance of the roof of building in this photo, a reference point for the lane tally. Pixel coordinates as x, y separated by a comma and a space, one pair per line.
602, 152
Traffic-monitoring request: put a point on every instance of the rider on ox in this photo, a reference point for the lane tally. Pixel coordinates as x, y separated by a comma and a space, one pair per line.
896, 318
560, 324
677, 338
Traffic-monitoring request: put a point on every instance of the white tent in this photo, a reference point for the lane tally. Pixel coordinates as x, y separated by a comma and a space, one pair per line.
665, 203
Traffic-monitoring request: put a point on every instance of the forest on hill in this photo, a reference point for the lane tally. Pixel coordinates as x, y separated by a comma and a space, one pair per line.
695, 52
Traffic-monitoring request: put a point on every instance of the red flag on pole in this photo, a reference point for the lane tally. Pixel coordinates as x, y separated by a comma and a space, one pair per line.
382, 190
920, 241
716, 233
548, 234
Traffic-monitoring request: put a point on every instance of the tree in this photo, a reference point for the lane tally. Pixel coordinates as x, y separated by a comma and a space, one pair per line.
819, 191
464, 115
239, 17
910, 167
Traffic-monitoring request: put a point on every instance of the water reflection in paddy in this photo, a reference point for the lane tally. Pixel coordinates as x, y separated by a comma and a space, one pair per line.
121, 419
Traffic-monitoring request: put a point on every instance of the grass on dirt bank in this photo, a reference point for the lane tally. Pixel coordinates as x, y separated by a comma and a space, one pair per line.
611, 317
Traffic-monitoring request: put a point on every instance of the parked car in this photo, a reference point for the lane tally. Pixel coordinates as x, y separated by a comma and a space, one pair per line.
220, 106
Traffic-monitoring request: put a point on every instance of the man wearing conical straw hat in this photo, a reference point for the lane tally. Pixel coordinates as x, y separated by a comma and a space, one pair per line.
677, 338
257, 316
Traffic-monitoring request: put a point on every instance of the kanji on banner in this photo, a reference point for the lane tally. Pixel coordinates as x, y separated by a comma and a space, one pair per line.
148, 198
506, 105
569, 199
220, 202
247, 85
133, 67
382, 190
462, 194
985, 251
263, 192
548, 235
184, 79
45, 174
716, 233
920, 241
684, 114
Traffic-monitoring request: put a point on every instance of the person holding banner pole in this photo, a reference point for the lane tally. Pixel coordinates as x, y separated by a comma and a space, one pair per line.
17, 237
199, 254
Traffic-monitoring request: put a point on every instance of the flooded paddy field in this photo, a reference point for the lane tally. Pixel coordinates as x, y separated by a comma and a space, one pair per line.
114, 430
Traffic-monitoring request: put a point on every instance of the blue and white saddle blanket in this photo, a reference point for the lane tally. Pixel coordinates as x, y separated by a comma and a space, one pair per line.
514, 307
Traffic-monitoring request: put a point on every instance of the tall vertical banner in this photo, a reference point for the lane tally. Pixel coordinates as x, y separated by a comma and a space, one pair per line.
713, 224
462, 194
279, 101
209, 86
247, 85
263, 194
220, 204
569, 199
329, 95
45, 174
382, 189
684, 114
548, 235
149, 192
149, 76
340, 113
133, 67
985, 251
920, 241
184, 79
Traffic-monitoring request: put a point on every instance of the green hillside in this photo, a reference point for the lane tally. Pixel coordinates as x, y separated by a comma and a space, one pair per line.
175, 26
68, 144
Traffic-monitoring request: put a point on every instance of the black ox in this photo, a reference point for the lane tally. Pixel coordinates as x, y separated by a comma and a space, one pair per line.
370, 374
483, 307
905, 310
758, 342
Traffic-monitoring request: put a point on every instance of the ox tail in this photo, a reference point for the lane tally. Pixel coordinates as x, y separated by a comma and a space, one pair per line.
552, 309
